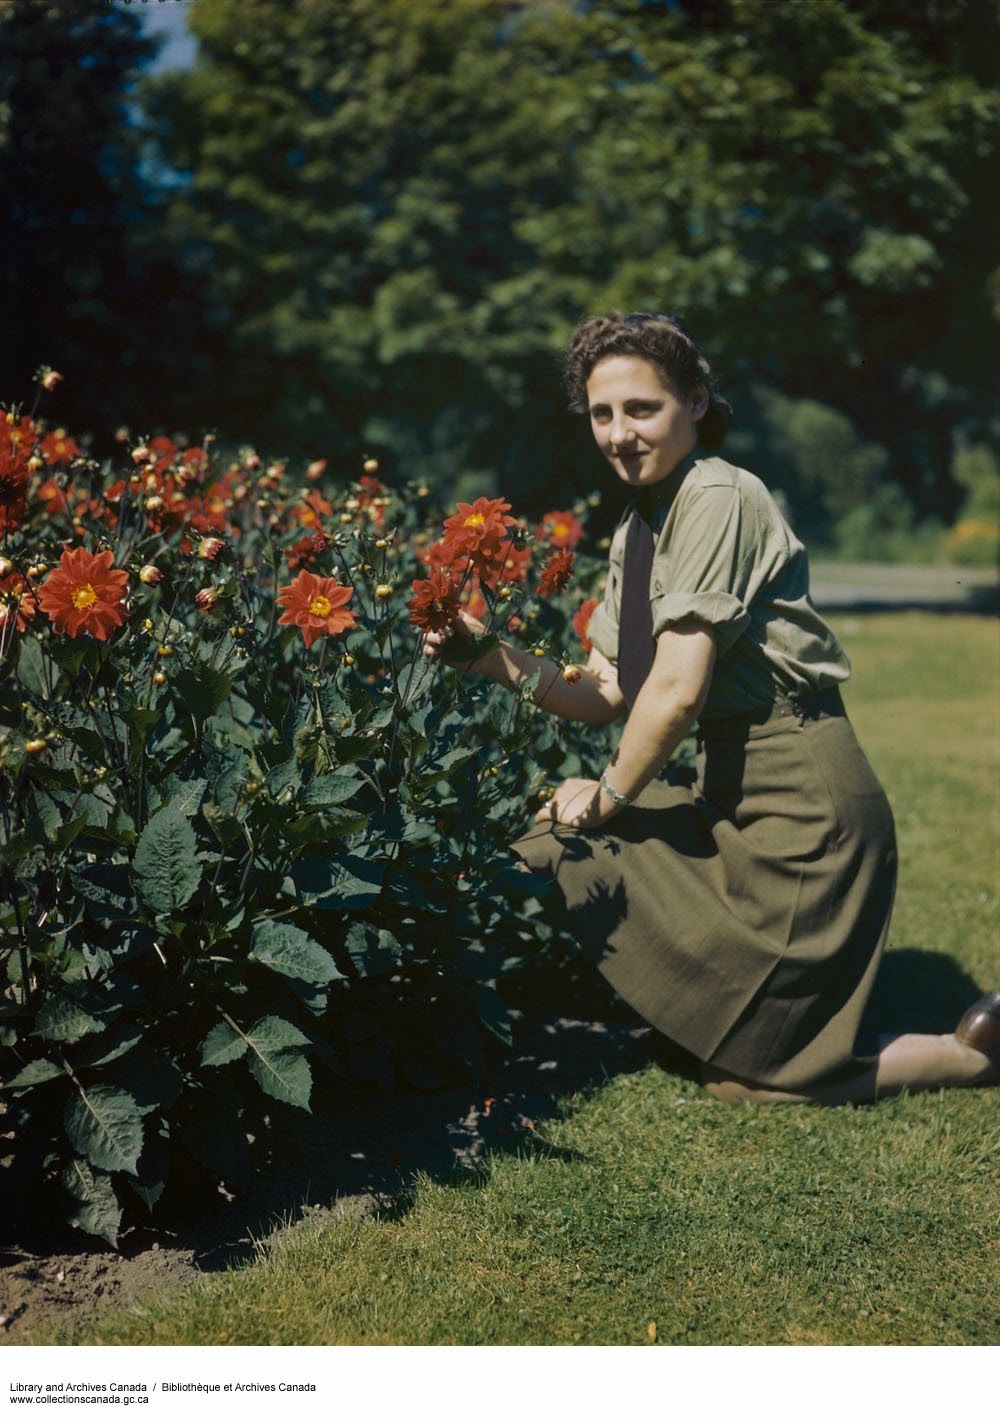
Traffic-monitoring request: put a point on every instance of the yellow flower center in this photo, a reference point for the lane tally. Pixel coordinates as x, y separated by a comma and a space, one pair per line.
84, 596
320, 606
560, 529
474, 520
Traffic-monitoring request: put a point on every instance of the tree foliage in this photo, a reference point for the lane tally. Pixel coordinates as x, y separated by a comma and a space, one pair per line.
393, 212
86, 283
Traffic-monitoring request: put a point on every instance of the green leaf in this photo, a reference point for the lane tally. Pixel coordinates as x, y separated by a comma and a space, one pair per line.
154, 1166
65, 1018
117, 1042
34, 1073
280, 776
32, 665
149, 1077
225, 766
105, 1125
276, 1060
289, 950
373, 951
107, 891
347, 882
166, 863
329, 789
202, 689
185, 795
99, 1212
140, 720
222, 1045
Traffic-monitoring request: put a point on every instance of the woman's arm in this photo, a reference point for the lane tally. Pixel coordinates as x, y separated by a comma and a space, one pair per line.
594, 698
664, 711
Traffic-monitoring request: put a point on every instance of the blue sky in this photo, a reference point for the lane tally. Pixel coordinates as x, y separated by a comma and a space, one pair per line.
169, 19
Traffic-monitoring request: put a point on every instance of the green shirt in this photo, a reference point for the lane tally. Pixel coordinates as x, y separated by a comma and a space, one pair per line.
724, 556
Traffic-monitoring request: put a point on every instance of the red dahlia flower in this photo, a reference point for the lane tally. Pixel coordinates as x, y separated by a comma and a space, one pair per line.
312, 508
316, 604
479, 527
556, 574
581, 621
84, 594
17, 603
560, 530
435, 603
301, 554
59, 448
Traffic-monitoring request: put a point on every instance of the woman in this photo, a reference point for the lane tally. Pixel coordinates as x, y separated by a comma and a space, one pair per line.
744, 916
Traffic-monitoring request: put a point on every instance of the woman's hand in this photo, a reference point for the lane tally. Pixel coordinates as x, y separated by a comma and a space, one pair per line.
579, 804
455, 644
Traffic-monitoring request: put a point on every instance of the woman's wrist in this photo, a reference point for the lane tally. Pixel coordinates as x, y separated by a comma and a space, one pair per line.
615, 796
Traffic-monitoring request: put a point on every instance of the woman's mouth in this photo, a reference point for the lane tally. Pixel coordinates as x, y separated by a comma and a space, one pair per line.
631, 459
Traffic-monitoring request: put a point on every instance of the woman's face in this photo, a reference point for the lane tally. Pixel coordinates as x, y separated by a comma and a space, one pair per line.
642, 427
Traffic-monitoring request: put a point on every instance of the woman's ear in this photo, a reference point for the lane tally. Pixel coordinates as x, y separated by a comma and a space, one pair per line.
699, 403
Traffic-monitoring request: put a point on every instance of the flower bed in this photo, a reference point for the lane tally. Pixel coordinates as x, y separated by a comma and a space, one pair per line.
242, 815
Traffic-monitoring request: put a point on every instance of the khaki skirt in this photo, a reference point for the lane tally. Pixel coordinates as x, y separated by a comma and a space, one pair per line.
743, 916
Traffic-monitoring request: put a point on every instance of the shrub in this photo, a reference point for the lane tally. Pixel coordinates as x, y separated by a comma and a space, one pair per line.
233, 792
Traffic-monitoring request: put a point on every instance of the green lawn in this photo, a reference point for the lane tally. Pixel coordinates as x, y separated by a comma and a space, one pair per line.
648, 1203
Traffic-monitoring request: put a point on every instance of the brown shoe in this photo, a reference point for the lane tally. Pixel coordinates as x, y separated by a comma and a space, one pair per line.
980, 1027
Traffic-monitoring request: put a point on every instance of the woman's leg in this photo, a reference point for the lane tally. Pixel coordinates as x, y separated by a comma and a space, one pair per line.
907, 1062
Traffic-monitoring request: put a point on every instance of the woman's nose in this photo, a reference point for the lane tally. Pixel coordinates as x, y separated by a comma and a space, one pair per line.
622, 433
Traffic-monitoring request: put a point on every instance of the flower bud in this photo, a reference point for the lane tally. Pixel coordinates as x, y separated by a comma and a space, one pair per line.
49, 378
210, 548
206, 599
383, 591
371, 466
572, 674
150, 574
159, 679
315, 468
140, 454
6, 566
164, 650
35, 747
154, 504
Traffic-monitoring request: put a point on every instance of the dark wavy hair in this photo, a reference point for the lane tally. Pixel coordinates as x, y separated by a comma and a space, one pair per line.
666, 343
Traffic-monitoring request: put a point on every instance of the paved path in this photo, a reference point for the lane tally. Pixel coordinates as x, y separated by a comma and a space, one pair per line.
877, 586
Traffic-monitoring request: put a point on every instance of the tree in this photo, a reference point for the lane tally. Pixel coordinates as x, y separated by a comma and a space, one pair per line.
71, 273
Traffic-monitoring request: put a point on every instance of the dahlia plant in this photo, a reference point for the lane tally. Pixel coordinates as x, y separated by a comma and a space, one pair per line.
235, 797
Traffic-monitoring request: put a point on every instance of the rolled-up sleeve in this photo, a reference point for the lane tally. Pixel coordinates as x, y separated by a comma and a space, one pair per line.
701, 572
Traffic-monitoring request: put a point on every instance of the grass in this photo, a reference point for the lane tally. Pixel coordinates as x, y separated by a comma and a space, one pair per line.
649, 1212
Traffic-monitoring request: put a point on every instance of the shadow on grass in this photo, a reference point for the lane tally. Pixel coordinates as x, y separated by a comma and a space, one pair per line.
917, 990
362, 1147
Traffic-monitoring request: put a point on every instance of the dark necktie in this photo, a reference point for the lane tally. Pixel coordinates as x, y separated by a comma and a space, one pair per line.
636, 646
